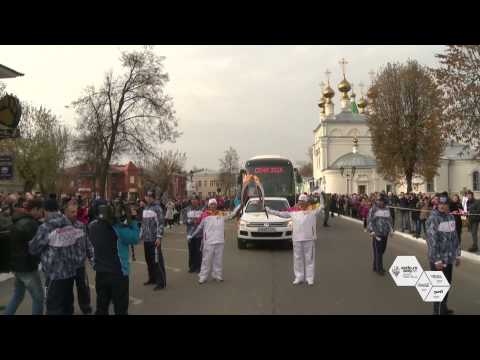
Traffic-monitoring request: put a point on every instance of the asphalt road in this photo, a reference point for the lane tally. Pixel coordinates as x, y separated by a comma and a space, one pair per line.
258, 280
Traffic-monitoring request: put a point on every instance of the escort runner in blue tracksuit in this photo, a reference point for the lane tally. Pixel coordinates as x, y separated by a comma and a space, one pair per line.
151, 233
443, 247
191, 217
379, 224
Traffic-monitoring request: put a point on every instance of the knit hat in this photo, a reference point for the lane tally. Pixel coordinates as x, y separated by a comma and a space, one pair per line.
51, 205
303, 197
212, 201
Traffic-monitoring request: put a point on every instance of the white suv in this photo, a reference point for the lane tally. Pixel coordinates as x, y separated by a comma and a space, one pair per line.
255, 226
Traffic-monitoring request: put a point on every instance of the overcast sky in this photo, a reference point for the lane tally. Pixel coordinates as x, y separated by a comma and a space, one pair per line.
257, 99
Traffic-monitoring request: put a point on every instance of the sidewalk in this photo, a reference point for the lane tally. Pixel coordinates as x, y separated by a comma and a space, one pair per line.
465, 254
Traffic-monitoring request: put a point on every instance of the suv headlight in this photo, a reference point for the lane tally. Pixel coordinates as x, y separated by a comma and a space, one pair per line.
243, 223
290, 224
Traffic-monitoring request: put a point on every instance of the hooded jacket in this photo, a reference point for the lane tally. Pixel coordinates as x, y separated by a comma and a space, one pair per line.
62, 246
111, 245
442, 238
22, 230
379, 221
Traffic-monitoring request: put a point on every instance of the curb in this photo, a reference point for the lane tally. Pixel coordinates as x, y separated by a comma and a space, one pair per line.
465, 254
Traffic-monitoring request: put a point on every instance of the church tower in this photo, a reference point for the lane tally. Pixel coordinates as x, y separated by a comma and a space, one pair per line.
333, 136
344, 87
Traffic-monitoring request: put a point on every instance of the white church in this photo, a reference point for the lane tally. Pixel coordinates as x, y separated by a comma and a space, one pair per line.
343, 159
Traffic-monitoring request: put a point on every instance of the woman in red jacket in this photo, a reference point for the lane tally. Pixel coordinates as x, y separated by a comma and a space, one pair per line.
82, 212
364, 209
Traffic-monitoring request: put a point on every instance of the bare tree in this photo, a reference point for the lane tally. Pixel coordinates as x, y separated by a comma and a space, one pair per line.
159, 171
229, 170
306, 168
459, 79
405, 122
129, 112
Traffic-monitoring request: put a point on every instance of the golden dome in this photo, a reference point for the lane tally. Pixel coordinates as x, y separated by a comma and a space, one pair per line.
362, 103
344, 86
322, 102
328, 92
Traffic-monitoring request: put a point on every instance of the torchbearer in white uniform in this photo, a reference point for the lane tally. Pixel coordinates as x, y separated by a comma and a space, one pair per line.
304, 221
213, 227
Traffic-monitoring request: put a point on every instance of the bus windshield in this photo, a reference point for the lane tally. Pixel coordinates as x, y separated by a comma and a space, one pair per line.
276, 175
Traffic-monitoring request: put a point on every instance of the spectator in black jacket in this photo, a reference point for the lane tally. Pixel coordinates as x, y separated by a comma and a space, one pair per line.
392, 201
404, 212
414, 215
24, 265
456, 210
473, 206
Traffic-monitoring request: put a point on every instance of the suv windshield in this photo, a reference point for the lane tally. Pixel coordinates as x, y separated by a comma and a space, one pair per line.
256, 205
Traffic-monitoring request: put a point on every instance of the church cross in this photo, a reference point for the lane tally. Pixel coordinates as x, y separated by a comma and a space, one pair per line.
361, 86
327, 73
343, 63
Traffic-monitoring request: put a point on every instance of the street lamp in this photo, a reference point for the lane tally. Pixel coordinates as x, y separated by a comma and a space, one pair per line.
348, 173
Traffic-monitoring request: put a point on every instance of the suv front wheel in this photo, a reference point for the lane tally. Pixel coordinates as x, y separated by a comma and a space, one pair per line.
242, 244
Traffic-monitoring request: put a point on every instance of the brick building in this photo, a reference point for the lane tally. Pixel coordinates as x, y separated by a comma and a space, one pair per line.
122, 179
179, 187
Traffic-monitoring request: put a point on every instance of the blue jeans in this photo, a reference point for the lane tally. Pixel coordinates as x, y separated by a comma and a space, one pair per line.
405, 217
418, 227
27, 281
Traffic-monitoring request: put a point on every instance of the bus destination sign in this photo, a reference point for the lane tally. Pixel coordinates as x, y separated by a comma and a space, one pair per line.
268, 170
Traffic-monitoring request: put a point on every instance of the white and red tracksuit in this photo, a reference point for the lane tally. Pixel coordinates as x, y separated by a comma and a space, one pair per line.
303, 237
212, 224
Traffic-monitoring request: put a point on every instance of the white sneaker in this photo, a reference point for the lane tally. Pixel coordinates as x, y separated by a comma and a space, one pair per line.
310, 283
202, 281
297, 281
218, 279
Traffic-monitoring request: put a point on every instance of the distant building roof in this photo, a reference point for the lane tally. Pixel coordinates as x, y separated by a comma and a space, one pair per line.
347, 117
6, 72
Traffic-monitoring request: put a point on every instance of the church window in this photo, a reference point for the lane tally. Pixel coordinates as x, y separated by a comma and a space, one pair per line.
476, 181
430, 186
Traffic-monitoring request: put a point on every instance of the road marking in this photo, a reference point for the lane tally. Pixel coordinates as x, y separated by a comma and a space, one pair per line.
133, 300
174, 249
5, 277
166, 267
465, 254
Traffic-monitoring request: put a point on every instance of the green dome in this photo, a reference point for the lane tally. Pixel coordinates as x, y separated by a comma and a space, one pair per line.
354, 159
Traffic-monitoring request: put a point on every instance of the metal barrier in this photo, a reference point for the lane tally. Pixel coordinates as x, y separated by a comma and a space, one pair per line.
404, 219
